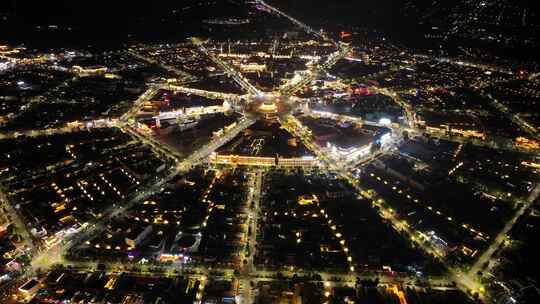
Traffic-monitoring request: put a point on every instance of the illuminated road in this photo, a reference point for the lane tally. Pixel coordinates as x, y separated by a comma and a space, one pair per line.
55, 254
300, 24
179, 164
500, 144
254, 197
237, 76
463, 281
295, 127
505, 145
137, 104
514, 117
254, 200
409, 113
293, 86
533, 77
204, 93
15, 218
501, 237
257, 275
291, 124
70, 127
37, 100
160, 149
186, 164
216, 142
479, 66
185, 77
149, 94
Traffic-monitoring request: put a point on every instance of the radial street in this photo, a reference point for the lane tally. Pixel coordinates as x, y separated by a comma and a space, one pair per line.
466, 281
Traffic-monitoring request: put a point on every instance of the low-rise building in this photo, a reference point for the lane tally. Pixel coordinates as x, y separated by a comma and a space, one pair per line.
136, 235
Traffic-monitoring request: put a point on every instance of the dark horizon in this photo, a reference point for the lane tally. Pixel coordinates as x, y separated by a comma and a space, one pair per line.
105, 23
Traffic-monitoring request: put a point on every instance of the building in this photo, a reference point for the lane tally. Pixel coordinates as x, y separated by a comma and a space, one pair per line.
253, 67
451, 124
90, 71
30, 287
527, 143
308, 200
135, 236
456, 131
305, 162
349, 153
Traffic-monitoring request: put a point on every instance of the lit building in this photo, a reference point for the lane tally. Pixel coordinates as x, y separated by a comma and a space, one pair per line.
352, 152
137, 235
308, 200
90, 71
253, 67
268, 109
30, 287
305, 162
526, 143
457, 125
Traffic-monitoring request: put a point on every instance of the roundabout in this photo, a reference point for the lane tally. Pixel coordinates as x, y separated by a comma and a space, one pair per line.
270, 105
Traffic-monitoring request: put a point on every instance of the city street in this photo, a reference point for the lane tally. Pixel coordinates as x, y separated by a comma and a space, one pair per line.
258, 155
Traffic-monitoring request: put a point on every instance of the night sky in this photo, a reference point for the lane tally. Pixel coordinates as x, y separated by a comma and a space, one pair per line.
112, 20
116, 22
